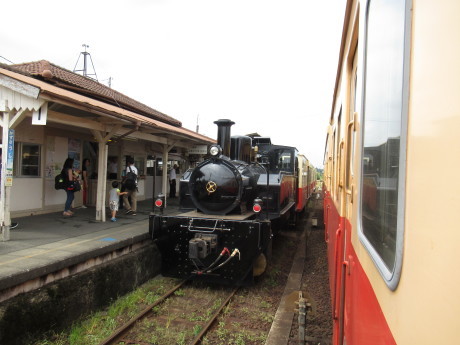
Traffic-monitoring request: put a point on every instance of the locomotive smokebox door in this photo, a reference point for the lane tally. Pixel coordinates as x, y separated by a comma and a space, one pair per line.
201, 246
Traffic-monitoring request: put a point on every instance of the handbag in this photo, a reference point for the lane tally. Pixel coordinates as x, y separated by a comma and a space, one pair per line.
74, 186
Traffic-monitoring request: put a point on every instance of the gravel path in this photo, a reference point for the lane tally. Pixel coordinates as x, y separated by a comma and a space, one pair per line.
315, 282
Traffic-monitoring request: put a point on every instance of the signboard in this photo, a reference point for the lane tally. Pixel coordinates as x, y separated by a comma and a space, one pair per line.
9, 159
39, 117
198, 150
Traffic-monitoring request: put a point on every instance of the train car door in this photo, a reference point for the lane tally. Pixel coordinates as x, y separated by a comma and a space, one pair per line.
343, 304
339, 243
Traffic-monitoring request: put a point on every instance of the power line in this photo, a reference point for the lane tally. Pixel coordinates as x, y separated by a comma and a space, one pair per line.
4, 58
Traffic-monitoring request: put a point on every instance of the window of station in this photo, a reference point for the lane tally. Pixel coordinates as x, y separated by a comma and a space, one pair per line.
139, 163
150, 165
384, 123
29, 159
159, 166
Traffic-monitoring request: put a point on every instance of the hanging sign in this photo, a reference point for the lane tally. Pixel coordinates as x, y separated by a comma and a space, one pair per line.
39, 116
9, 159
198, 150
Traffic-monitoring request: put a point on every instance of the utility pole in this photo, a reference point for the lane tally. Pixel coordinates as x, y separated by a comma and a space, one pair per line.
85, 64
197, 125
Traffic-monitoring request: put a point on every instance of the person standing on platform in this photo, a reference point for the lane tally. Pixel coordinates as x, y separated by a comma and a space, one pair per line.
114, 196
172, 182
130, 186
69, 177
85, 182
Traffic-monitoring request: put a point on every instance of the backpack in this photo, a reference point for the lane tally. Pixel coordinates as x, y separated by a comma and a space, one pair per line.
130, 180
59, 182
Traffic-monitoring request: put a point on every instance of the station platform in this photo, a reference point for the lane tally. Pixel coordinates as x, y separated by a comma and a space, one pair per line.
47, 243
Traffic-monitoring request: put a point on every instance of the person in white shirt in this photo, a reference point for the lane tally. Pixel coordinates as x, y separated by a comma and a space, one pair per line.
172, 182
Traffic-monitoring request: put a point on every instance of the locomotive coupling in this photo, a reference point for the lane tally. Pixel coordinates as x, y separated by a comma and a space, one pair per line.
202, 245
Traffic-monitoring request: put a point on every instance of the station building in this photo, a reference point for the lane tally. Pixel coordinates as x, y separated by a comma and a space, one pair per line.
50, 113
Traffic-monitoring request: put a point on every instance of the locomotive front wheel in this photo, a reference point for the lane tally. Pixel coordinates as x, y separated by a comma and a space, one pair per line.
260, 265
262, 261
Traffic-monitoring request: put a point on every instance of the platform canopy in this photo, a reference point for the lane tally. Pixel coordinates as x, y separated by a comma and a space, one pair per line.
81, 102
53, 96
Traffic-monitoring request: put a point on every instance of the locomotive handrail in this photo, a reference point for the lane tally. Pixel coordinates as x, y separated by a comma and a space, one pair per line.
203, 228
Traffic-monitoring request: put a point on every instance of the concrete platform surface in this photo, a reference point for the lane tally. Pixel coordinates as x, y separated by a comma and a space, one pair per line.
46, 243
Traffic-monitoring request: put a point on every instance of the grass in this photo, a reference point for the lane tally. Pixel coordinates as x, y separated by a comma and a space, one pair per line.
100, 325
249, 305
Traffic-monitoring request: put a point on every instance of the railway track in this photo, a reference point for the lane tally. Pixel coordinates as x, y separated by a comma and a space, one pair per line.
185, 312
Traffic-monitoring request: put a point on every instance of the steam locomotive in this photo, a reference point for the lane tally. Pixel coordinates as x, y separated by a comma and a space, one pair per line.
231, 203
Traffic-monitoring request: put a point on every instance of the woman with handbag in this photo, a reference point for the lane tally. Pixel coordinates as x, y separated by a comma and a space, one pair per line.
69, 177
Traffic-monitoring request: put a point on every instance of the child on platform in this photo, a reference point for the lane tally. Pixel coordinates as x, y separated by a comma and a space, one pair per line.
114, 197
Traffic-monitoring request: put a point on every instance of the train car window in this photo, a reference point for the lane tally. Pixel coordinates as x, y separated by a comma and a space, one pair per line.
334, 161
339, 156
383, 130
351, 134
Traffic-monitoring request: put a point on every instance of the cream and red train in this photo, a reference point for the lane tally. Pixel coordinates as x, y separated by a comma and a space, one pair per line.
306, 183
392, 182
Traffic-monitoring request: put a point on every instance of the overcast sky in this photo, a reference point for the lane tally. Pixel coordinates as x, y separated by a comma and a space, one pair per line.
268, 65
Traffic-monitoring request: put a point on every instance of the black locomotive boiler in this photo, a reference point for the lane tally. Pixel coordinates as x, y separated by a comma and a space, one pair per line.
232, 200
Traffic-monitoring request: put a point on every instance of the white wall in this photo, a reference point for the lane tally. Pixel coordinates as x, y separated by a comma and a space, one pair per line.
22, 191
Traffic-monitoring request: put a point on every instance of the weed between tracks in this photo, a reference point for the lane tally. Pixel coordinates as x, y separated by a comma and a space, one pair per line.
179, 320
245, 321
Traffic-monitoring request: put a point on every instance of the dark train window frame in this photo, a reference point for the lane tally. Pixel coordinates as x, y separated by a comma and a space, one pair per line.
391, 275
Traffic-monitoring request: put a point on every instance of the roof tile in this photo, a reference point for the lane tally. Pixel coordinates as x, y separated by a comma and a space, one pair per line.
84, 85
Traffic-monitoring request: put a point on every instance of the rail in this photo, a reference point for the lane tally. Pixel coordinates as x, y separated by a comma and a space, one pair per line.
121, 332
112, 339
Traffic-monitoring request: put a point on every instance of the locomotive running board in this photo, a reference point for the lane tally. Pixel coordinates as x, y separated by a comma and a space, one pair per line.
195, 214
287, 207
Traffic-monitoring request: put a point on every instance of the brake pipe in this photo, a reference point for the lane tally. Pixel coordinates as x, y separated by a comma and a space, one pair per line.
222, 253
235, 251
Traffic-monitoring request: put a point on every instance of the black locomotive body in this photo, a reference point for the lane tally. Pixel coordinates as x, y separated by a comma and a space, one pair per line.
232, 200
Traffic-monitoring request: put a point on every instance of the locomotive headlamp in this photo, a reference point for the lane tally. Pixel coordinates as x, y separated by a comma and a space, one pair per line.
160, 202
215, 150
257, 207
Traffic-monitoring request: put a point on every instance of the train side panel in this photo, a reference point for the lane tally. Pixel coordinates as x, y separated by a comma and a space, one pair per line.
302, 184
414, 299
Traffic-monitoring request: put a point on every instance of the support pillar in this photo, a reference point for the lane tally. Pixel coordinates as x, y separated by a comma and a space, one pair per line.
101, 182
164, 178
5, 218
101, 175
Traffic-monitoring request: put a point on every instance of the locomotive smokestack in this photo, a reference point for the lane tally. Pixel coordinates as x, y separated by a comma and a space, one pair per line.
223, 135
